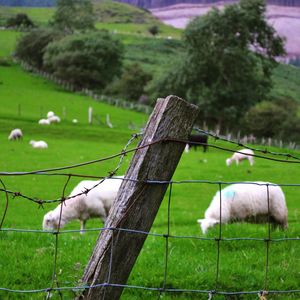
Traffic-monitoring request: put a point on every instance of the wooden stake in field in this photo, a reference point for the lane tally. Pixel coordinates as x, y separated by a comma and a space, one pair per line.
137, 202
90, 115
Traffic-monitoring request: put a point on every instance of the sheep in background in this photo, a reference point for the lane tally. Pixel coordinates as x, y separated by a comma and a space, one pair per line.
44, 122
95, 204
197, 138
74, 121
38, 144
50, 114
241, 155
54, 119
247, 202
15, 134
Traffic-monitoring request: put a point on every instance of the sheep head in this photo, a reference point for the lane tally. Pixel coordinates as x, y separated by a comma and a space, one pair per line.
51, 222
205, 224
228, 161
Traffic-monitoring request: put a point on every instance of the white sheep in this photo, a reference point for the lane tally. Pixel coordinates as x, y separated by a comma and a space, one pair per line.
50, 114
247, 202
95, 204
54, 119
44, 122
15, 134
241, 155
38, 144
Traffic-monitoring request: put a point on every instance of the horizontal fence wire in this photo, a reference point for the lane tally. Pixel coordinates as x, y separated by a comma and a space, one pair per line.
55, 285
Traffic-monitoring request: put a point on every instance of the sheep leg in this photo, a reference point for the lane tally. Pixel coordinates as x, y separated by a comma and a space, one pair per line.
82, 226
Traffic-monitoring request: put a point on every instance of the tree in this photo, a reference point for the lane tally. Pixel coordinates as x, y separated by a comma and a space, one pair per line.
274, 119
228, 60
19, 20
87, 60
74, 15
31, 46
154, 30
131, 84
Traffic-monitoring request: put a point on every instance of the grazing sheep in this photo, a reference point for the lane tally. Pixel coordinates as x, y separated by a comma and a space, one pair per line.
95, 204
38, 144
54, 119
44, 122
15, 134
50, 114
197, 140
247, 202
74, 121
241, 155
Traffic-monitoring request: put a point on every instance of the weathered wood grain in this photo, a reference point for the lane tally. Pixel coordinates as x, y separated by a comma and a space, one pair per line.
137, 202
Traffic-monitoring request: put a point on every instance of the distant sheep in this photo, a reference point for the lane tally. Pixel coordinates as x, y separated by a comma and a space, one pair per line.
247, 202
50, 114
44, 122
54, 119
95, 204
241, 155
74, 121
15, 134
38, 144
197, 140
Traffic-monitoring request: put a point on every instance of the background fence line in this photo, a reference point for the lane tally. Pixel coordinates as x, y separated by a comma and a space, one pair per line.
88, 92
55, 286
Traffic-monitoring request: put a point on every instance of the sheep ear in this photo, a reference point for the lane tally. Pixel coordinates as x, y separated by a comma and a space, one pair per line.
49, 216
200, 221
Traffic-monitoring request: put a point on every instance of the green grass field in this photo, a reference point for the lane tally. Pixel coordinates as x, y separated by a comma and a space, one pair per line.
26, 259
113, 16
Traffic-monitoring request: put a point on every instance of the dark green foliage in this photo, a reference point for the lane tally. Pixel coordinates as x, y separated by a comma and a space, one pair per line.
74, 15
31, 46
19, 20
228, 62
131, 85
274, 119
154, 30
5, 61
86, 60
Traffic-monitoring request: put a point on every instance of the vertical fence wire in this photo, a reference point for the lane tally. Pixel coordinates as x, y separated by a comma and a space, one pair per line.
218, 239
166, 236
268, 239
6, 203
56, 233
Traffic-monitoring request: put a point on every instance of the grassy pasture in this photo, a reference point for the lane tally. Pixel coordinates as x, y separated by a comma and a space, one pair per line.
140, 29
114, 16
39, 15
26, 259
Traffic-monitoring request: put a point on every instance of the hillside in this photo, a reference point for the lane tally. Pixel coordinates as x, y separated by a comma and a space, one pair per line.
141, 3
163, 3
106, 11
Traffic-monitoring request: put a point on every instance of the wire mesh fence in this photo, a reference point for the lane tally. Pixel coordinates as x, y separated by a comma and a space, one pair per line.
165, 287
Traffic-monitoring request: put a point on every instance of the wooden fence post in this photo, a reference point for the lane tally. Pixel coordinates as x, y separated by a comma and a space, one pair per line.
137, 202
90, 115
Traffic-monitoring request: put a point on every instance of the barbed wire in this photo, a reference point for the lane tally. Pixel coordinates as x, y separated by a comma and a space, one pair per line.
162, 182
239, 144
55, 286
